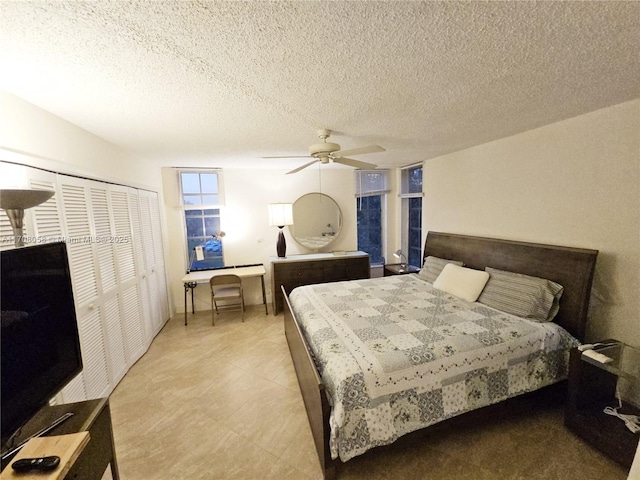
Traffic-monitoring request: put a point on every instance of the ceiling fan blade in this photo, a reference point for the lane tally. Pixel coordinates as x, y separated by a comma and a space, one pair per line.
361, 150
355, 163
303, 166
291, 156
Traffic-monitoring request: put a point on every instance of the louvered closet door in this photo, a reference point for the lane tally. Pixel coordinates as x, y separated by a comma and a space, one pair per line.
108, 291
149, 203
141, 270
46, 217
162, 296
46, 222
114, 245
162, 299
149, 274
83, 264
7, 240
130, 307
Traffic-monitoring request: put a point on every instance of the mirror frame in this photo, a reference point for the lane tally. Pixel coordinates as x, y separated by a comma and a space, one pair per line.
331, 238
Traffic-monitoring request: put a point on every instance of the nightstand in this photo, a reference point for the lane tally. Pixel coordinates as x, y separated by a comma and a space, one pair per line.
592, 386
397, 269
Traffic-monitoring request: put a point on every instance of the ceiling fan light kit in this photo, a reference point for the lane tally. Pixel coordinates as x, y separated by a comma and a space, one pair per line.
326, 148
327, 152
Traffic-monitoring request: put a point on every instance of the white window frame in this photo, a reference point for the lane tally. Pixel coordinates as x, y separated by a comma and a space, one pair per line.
405, 195
184, 207
371, 189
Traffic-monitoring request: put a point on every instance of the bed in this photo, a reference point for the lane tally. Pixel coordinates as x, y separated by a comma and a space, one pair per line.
338, 415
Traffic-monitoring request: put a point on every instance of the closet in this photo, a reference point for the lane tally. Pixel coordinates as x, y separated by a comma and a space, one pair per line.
114, 244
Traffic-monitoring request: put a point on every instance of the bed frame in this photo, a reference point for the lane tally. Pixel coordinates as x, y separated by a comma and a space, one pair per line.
572, 268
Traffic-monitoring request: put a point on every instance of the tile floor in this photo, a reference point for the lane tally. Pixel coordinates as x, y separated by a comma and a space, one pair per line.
223, 403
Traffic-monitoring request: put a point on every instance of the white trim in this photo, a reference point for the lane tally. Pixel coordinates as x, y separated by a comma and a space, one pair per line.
402, 182
217, 171
413, 165
46, 164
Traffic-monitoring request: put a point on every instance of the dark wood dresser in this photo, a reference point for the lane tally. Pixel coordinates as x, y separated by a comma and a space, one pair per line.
296, 270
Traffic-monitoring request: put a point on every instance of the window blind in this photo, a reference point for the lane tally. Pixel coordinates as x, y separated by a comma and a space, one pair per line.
411, 181
371, 182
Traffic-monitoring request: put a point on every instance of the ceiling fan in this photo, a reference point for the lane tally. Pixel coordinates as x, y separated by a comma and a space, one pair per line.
326, 151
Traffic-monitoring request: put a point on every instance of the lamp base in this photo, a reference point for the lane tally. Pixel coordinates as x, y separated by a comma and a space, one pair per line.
281, 246
16, 218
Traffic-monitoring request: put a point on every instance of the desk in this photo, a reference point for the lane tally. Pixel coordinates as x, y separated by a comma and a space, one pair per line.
192, 279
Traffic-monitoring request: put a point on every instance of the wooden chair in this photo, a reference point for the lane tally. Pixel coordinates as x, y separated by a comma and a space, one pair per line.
226, 294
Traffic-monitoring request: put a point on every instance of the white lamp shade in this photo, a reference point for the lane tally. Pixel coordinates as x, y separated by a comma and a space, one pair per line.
280, 214
12, 199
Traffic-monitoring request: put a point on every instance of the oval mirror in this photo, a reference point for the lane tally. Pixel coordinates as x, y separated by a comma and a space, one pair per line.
317, 221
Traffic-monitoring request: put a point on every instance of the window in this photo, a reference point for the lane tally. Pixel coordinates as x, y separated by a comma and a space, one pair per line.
411, 194
201, 199
371, 199
370, 227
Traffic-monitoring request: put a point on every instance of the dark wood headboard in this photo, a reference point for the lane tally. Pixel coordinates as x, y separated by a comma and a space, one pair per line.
572, 268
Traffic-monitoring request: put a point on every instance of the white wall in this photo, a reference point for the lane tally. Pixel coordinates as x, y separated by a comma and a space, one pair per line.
32, 136
244, 219
35, 137
575, 182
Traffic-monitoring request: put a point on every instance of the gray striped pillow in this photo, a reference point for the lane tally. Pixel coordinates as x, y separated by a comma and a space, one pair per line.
433, 266
529, 297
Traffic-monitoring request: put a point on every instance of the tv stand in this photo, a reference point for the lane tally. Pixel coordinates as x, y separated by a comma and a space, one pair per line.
41, 433
93, 416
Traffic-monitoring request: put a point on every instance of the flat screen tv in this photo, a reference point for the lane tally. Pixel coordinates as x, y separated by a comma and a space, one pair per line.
39, 336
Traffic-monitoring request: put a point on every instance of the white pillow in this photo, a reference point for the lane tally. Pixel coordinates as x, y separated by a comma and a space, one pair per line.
433, 267
465, 283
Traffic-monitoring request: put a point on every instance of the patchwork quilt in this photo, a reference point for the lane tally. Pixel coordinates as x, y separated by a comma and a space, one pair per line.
397, 355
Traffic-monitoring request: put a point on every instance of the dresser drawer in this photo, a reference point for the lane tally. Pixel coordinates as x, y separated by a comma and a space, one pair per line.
307, 272
295, 273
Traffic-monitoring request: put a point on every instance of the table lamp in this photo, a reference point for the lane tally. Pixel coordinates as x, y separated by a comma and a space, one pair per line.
399, 255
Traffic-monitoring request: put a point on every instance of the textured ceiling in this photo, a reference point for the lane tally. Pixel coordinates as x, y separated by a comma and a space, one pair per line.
225, 83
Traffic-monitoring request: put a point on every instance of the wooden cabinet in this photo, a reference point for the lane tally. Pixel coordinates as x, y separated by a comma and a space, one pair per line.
593, 386
391, 269
93, 416
297, 270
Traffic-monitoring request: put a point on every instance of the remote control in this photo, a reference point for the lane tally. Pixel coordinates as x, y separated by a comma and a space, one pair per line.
598, 357
40, 463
